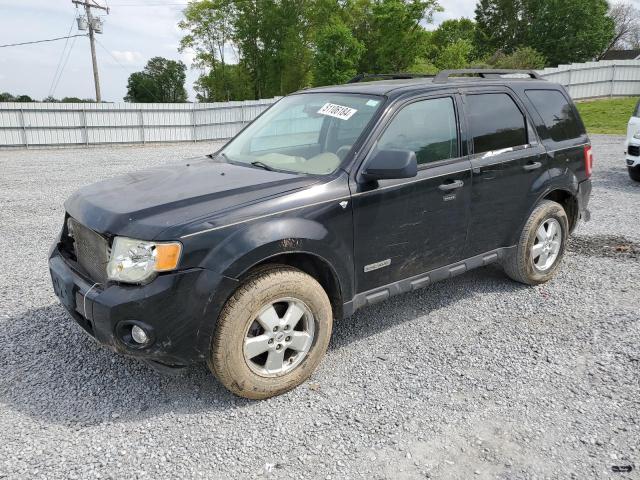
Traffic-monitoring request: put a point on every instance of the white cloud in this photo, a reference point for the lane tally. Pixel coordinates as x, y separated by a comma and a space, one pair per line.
128, 57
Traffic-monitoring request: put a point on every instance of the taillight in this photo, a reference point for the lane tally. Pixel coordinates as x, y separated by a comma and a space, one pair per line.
588, 160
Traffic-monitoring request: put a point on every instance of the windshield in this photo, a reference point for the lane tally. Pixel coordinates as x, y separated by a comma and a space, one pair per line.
308, 133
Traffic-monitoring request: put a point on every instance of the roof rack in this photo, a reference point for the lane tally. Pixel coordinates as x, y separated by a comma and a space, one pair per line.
443, 76
362, 77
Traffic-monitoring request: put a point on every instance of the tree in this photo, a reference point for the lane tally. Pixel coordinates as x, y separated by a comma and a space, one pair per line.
392, 32
562, 36
455, 55
162, 81
451, 31
561, 30
626, 19
524, 58
451, 45
337, 54
6, 97
210, 28
234, 85
498, 25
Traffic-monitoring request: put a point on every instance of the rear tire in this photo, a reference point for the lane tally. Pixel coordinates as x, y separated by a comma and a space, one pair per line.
272, 333
634, 173
541, 247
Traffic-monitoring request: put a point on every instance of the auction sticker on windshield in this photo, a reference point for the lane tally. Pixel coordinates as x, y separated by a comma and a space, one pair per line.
337, 111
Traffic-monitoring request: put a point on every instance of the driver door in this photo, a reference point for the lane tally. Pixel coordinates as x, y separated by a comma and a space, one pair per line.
406, 227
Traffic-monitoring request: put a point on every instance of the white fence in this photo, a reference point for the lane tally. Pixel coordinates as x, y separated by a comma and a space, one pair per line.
609, 78
52, 124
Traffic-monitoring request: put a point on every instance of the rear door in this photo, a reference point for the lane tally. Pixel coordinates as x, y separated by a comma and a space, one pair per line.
508, 167
406, 227
561, 131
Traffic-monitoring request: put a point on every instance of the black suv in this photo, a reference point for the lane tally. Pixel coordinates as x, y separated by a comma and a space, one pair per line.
333, 199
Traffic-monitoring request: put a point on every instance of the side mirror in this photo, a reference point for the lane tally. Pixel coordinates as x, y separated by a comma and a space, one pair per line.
391, 165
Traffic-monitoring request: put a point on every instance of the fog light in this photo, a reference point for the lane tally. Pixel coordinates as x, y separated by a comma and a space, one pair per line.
139, 335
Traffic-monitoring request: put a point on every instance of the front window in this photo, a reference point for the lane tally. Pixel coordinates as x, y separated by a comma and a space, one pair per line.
308, 133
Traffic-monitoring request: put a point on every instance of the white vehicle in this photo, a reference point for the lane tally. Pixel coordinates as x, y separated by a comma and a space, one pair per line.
633, 145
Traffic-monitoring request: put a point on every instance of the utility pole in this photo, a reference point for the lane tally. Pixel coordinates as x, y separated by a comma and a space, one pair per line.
88, 5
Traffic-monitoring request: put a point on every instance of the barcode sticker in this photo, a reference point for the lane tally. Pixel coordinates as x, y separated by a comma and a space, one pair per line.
337, 111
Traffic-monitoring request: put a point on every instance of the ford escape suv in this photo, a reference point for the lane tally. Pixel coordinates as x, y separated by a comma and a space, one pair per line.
333, 199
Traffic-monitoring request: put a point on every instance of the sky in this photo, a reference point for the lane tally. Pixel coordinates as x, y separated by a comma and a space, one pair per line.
134, 31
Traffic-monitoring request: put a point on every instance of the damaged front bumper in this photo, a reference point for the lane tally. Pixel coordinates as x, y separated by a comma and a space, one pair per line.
177, 311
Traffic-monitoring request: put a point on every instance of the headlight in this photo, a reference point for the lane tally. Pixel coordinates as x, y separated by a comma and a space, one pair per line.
637, 136
136, 261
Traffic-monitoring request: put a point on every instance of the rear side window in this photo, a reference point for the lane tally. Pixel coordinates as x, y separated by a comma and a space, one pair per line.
557, 113
495, 122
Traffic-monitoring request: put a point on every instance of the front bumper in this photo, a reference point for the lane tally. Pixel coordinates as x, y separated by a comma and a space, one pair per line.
632, 154
178, 310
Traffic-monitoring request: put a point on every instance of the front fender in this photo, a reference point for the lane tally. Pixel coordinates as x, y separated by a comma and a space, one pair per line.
251, 244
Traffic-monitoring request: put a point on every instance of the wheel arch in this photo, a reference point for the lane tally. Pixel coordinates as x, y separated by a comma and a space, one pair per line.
313, 265
566, 197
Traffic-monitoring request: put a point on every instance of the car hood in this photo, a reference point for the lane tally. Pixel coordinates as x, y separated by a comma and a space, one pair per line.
143, 204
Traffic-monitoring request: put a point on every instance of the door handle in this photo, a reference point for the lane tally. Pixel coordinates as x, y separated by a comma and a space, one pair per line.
454, 185
532, 166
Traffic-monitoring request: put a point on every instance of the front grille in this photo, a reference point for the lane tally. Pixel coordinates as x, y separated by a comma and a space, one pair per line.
91, 251
634, 150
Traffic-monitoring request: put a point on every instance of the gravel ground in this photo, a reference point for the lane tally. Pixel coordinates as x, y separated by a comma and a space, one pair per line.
475, 377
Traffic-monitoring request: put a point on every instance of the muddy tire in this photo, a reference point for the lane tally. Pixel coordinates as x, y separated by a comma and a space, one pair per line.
272, 333
541, 247
634, 173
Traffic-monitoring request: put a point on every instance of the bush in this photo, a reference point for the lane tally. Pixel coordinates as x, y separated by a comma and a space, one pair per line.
524, 58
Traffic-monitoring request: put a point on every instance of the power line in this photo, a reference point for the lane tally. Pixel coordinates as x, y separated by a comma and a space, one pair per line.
42, 41
64, 49
64, 65
148, 4
128, 70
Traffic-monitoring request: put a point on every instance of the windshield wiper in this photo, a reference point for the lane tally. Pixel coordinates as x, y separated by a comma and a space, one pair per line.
258, 163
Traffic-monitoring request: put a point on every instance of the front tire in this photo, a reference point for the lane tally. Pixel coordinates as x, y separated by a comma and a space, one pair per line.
271, 334
541, 247
634, 173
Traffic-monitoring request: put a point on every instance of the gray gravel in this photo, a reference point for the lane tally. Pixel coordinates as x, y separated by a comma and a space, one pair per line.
475, 377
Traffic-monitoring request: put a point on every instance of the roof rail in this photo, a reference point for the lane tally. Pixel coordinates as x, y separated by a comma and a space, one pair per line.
362, 77
444, 75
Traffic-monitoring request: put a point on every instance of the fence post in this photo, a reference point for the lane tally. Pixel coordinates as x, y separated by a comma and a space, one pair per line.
25, 140
613, 80
141, 121
193, 122
84, 124
570, 78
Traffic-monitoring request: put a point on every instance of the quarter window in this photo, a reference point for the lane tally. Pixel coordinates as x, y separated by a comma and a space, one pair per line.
427, 127
557, 114
496, 122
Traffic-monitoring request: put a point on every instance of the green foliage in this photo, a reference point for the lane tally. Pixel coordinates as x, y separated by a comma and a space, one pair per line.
455, 55
232, 84
337, 53
451, 31
76, 100
210, 27
392, 32
285, 45
563, 31
523, 58
499, 25
567, 31
162, 81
